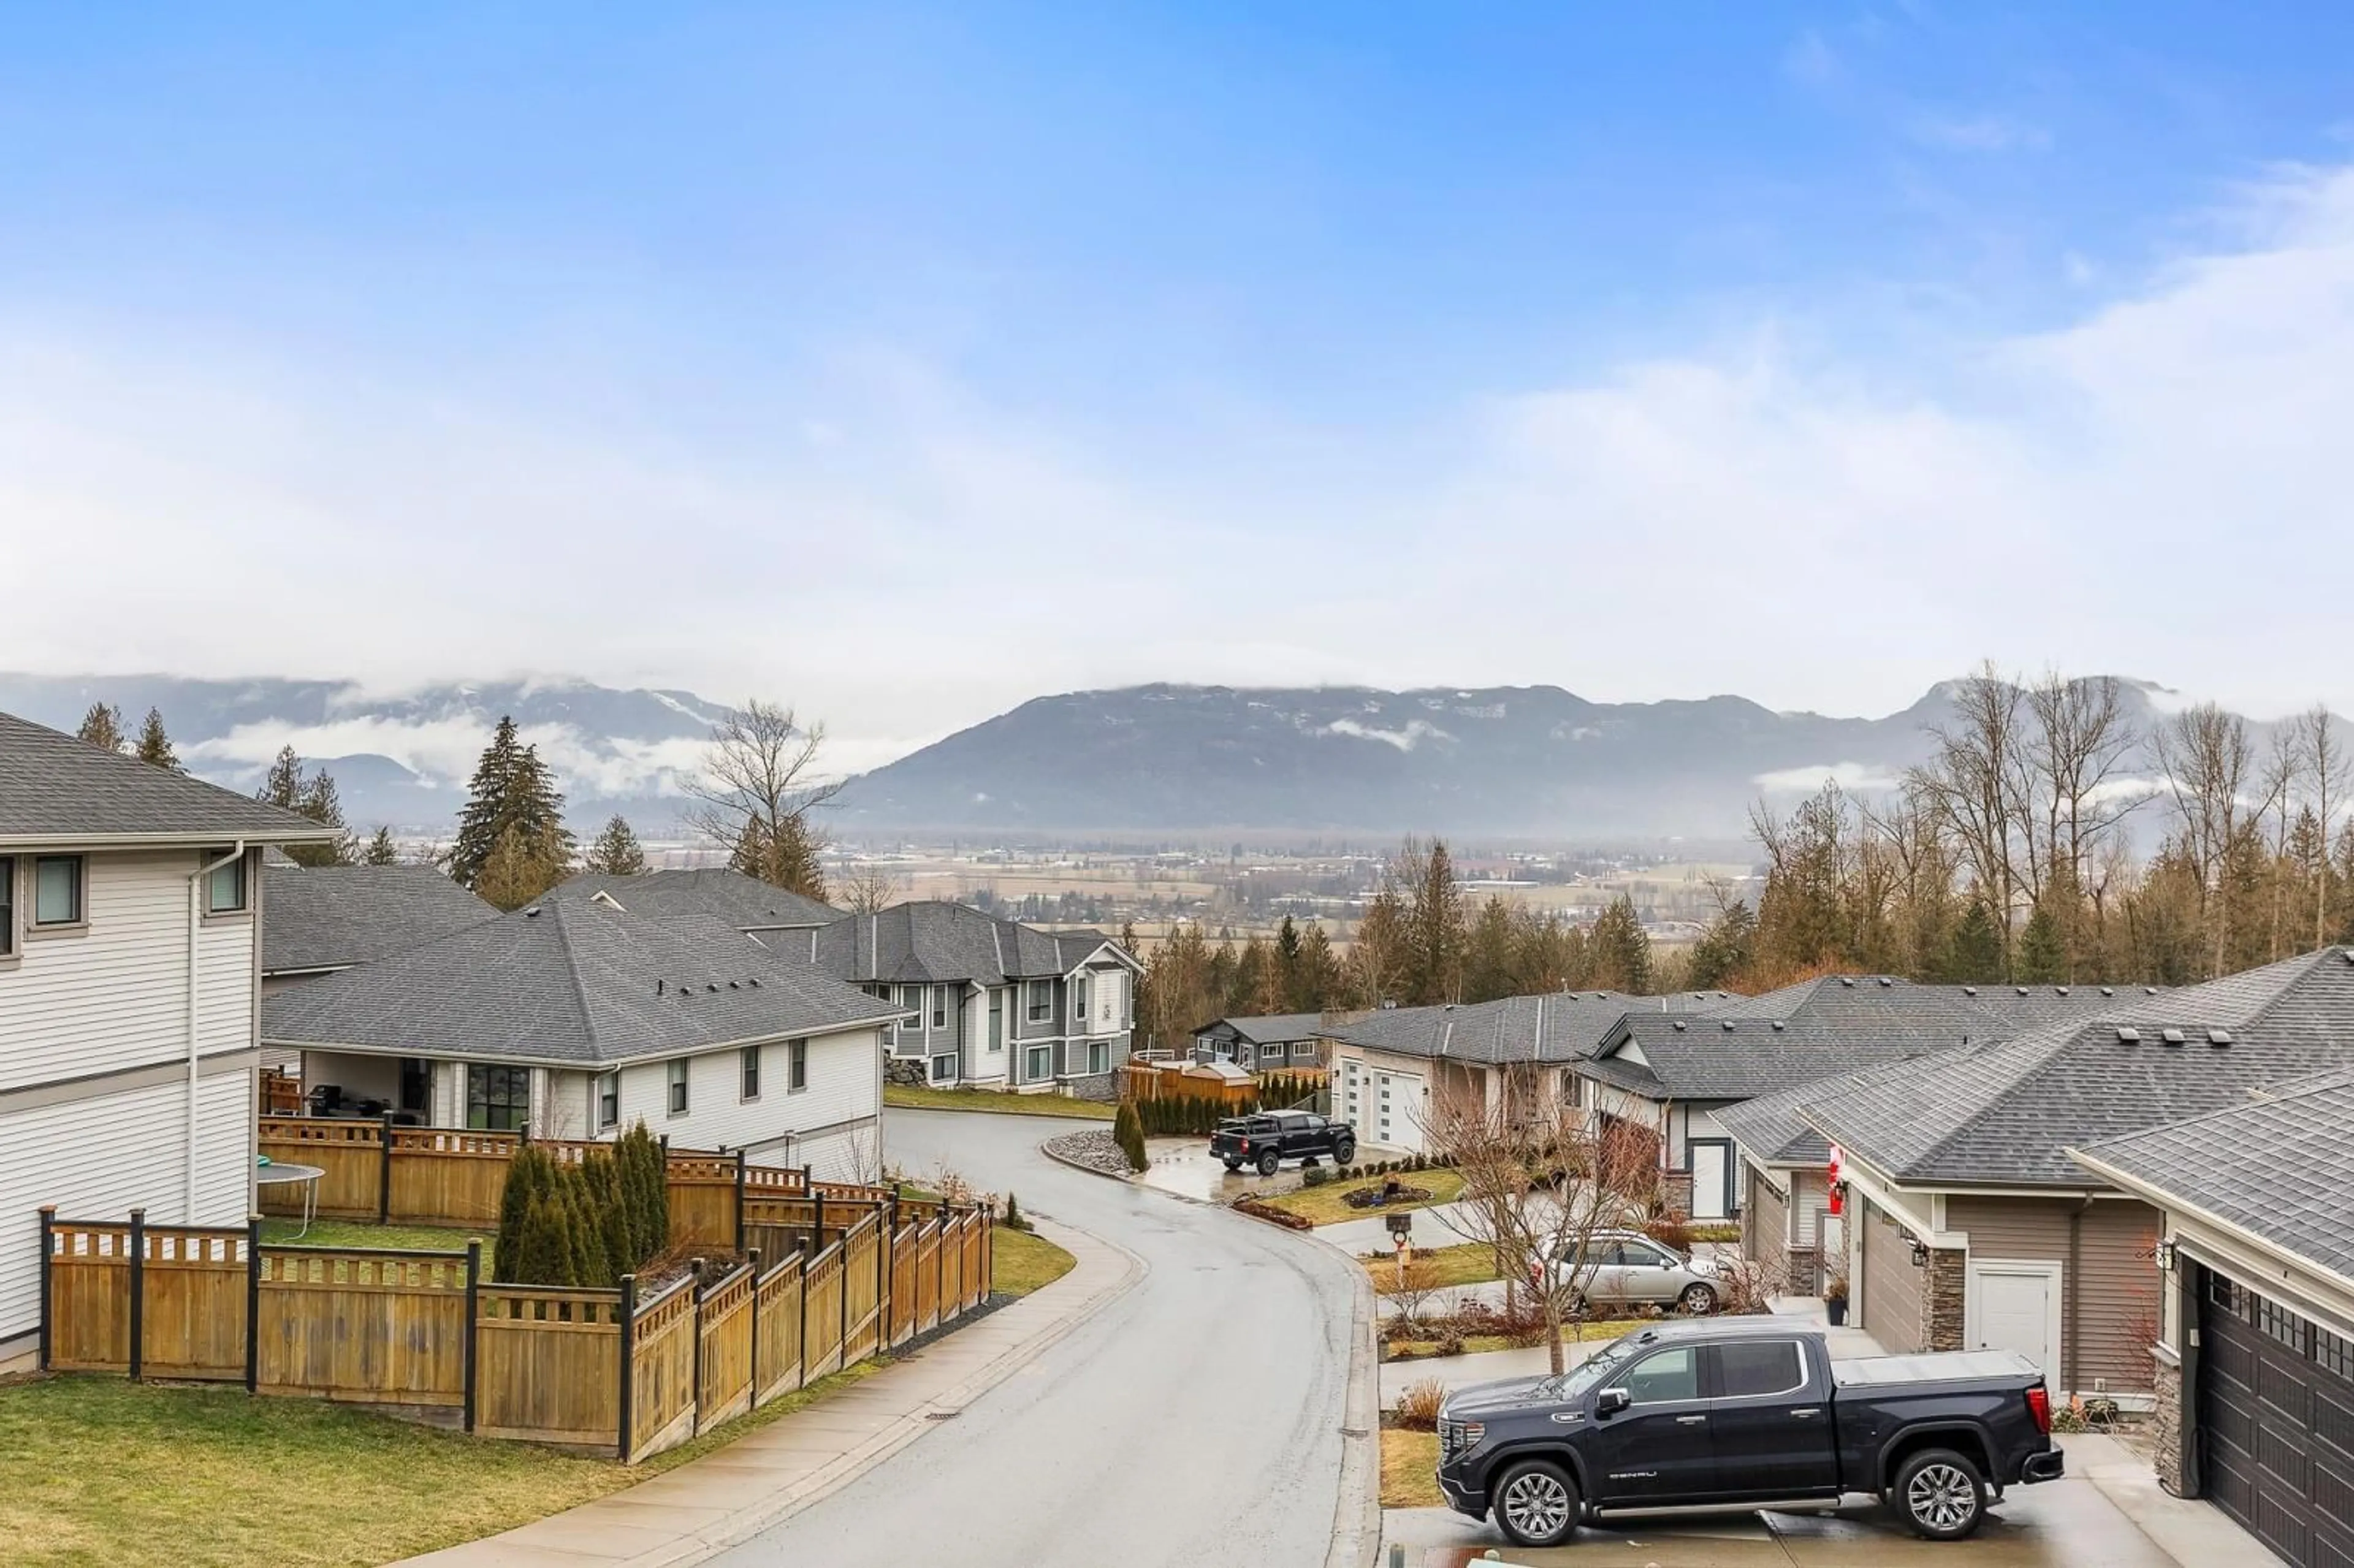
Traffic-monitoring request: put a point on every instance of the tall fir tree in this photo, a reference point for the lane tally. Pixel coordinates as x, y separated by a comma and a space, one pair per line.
292, 788
103, 728
515, 814
1620, 949
616, 850
381, 850
154, 748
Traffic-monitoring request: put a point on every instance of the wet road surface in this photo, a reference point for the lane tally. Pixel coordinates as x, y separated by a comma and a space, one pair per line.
1194, 1421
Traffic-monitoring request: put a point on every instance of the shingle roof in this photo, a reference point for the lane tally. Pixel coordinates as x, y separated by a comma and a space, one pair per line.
2279, 1169
335, 917
55, 787
2008, 1112
744, 901
1559, 1026
1274, 1028
1888, 1008
1717, 1058
570, 980
1771, 1128
933, 940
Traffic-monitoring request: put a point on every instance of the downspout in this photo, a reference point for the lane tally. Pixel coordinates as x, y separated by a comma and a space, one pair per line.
195, 928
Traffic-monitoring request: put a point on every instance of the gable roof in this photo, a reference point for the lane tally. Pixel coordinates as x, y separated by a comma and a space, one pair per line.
744, 901
932, 940
573, 981
1888, 1008
1557, 1027
1771, 1128
1719, 1058
1273, 1028
2278, 1168
332, 916
2006, 1113
56, 789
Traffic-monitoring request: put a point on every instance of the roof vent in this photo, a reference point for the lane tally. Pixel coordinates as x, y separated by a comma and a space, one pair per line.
711, 985
1847, 980
2059, 990
2108, 990
2171, 1036
532, 913
2128, 1036
1777, 1026
1886, 981
733, 986
754, 982
2219, 1037
2022, 990
1969, 990
1728, 1026
1680, 1026
2149, 990
658, 986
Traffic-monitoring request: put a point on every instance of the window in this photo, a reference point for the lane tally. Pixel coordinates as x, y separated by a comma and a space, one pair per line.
911, 997
609, 1100
997, 1018
1098, 1055
939, 1007
498, 1099
1037, 1064
796, 1067
678, 1086
751, 1072
1663, 1376
225, 886
1079, 1003
1042, 1000
56, 890
8, 904
1758, 1368
944, 1069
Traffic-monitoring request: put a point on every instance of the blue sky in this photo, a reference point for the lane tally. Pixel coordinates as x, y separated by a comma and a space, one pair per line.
913, 360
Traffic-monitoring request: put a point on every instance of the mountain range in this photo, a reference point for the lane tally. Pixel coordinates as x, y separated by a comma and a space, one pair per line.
1526, 762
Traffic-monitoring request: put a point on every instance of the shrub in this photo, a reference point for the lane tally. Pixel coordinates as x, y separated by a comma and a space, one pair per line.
1672, 1229
1418, 1402
1127, 1131
1013, 1219
1452, 1345
1315, 1176
639, 1165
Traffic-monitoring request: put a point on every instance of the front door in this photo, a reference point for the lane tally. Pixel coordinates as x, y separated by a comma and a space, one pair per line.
1658, 1450
1711, 1170
2014, 1307
1771, 1440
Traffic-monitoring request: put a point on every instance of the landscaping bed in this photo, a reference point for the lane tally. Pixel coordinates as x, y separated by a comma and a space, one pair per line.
1326, 1202
1093, 1151
908, 1096
1437, 1340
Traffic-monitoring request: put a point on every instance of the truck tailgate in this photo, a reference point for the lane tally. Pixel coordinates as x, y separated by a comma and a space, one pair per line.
1938, 1366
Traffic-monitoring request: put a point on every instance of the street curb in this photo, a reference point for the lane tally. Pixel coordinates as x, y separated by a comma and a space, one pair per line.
1087, 1170
1357, 1515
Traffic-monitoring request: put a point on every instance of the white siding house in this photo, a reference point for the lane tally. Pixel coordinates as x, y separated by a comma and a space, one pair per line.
129, 975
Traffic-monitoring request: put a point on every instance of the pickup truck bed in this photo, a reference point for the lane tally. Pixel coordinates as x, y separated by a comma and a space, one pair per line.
1742, 1413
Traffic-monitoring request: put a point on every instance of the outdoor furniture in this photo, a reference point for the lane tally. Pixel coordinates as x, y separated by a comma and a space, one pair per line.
305, 1176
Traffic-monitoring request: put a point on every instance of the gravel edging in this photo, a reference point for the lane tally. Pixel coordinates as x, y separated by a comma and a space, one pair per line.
1098, 1153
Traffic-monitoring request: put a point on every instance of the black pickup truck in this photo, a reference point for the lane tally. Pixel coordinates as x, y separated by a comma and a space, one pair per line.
1270, 1137
1738, 1414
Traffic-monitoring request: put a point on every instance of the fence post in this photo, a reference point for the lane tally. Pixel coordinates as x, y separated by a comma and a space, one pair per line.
473, 1289
384, 1174
817, 1220
138, 1291
754, 1256
49, 1224
629, 1358
694, 1386
740, 1201
841, 1308
253, 1304
804, 1371
887, 1300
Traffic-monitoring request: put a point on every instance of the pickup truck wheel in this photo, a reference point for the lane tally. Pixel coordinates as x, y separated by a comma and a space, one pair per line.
1344, 1149
1536, 1504
1234, 1164
1697, 1299
1267, 1163
1941, 1494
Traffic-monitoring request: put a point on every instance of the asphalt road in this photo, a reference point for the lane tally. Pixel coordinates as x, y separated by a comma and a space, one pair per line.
1195, 1421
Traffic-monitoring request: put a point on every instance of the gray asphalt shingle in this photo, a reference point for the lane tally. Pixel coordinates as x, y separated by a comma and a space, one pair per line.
53, 785
744, 901
333, 916
932, 940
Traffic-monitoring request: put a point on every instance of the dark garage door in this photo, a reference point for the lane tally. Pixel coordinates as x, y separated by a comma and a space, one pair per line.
2276, 1423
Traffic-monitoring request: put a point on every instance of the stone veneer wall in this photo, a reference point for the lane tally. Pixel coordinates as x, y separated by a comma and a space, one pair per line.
1943, 1300
2165, 1422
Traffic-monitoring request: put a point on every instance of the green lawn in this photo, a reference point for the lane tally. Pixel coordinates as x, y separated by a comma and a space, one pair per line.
1323, 1205
1468, 1263
907, 1096
353, 1233
1023, 1262
1410, 1469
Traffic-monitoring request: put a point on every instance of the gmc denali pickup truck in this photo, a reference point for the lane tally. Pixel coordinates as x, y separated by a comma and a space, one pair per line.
1267, 1140
1738, 1414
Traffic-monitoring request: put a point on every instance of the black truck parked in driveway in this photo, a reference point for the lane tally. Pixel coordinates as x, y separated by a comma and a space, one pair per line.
1738, 1414
1267, 1140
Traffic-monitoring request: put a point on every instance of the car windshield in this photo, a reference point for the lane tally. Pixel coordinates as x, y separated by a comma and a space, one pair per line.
1592, 1370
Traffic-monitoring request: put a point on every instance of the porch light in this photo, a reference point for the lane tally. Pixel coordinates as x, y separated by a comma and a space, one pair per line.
2166, 1256
1920, 1252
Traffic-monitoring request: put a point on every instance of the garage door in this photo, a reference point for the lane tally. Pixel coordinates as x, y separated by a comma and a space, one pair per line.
1891, 1285
2276, 1423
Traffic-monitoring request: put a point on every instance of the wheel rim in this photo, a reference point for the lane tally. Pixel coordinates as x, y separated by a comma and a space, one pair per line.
1941, 1497
1699, 1299
1536, 1504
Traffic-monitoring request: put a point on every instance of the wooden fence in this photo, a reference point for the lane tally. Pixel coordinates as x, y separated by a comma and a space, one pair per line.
604, 1370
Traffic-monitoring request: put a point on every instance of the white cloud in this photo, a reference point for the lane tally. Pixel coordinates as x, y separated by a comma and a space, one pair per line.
1852, 776
1415, 733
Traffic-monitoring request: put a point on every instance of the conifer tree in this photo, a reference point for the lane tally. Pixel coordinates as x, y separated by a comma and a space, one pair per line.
513, 812
103, 728
615, 851
1127, 1131
291, 787
527, 1176
381, 850
154, 747
1620, 949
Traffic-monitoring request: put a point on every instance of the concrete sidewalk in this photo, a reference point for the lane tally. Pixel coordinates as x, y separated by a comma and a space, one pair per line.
774, 1471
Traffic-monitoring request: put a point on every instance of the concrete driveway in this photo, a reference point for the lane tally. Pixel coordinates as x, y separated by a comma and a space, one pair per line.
1194, 1423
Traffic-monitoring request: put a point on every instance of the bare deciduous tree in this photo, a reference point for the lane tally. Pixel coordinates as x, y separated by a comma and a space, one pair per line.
760, 782
867, 888
2207, 760
1975, 776
2328, 774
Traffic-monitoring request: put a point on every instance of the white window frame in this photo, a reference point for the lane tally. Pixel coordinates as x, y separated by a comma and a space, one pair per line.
939, 1009
1038, 1002
608, 1090
1079, 1004
677, 1091
235, 871
796, 1067
748, 1074
1035, 1054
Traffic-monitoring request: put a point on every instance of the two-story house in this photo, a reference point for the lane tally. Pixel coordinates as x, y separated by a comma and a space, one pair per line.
995, 1004
129, 974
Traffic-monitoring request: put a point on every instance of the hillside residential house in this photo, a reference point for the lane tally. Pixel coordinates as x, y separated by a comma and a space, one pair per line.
746, 903
576, 1017
129, 972
1518, 1051
992, 1002
2255, 1344
1675, 1076
1970, 1226
320, 919
1274, 1043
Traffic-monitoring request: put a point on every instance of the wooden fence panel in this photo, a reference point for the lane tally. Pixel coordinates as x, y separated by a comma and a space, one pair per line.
904, 1312
822, 1331
927, 1276
350, 1152
778, 1352
89, 1296
192, 1315
775, 1180
549, 1366
861, 1288
701, 1200
369, 1327
661, 1371
443, 1176
724, 1335
952, 1268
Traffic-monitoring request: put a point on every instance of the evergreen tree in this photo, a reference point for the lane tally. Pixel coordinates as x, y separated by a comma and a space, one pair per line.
1434, 924
1489, 969
1975, 955
645, 1191
513, 812
527, 1180
1620, 949
1127, 1131
282, 785
600, 1171
2041, 959
154, 747
289, 788
615, 851
1317, 985
1726, 948
381, 850
103, 728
